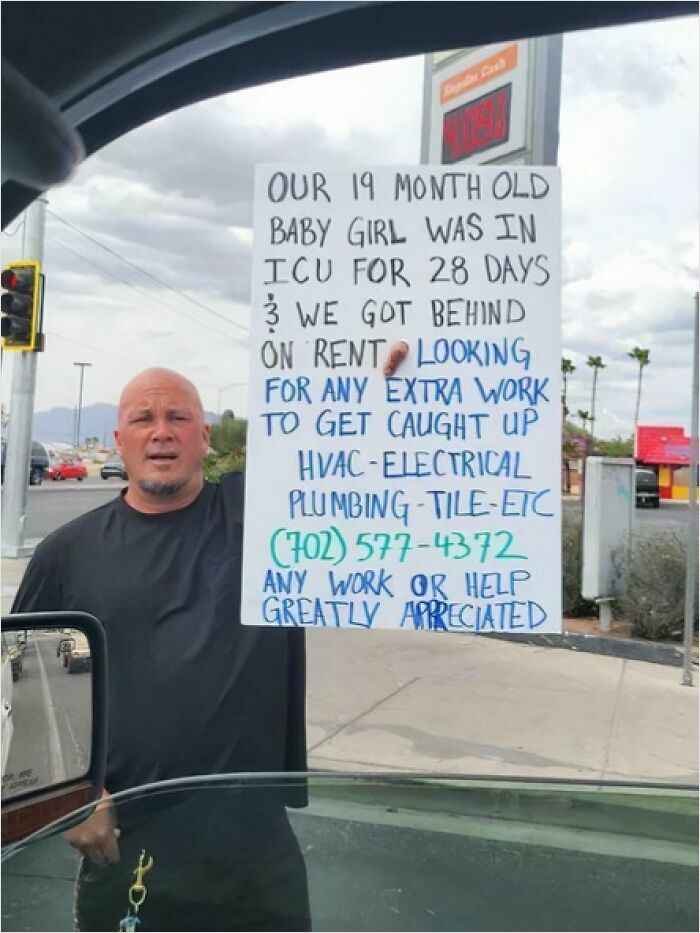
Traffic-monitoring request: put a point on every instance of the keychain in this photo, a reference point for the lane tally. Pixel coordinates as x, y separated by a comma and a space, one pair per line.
137, 895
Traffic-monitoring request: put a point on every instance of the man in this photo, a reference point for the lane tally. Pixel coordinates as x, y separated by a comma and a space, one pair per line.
191, 690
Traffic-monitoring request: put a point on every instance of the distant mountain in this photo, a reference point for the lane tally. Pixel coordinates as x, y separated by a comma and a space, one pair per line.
58, 424
99, 420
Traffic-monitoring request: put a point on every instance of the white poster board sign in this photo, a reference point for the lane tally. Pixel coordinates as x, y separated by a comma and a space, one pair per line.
429, 500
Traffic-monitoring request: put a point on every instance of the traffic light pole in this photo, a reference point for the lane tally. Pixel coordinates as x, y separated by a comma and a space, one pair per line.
691, 572
19, 435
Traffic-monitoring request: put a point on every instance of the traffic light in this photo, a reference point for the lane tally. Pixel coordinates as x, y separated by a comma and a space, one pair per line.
20, 305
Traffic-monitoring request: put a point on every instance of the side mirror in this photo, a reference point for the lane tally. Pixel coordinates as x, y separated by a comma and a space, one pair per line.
54, 727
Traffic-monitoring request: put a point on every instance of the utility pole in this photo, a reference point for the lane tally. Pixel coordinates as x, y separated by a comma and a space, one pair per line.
19, 435
76, 440
692, 554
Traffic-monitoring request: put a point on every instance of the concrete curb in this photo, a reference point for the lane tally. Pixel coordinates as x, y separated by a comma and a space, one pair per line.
632, 649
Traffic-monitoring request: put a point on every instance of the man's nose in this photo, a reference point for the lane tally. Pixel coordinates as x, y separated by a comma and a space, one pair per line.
162, 430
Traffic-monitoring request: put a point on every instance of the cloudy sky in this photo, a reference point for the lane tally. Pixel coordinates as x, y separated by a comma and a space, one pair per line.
175, 198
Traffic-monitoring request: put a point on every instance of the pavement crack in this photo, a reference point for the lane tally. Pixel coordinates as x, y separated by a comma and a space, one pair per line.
361, 715
613, 721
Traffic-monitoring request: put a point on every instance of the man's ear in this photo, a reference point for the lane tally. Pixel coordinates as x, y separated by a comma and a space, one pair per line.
207, 434
117, 440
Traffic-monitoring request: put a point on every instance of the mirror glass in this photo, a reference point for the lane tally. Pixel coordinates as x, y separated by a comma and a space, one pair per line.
46, 709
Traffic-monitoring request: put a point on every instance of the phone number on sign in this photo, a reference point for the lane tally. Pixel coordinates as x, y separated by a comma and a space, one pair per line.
289, 547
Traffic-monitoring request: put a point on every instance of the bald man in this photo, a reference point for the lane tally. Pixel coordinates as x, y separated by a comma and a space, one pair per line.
191, 690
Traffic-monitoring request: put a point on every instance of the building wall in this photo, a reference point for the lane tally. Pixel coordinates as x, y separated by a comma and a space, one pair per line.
681, 484
665, 482
674, 482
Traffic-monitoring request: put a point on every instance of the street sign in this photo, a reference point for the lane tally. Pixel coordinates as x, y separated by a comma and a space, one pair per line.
494, 104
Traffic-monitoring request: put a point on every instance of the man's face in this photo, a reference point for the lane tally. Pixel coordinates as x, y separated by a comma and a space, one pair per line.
162, 437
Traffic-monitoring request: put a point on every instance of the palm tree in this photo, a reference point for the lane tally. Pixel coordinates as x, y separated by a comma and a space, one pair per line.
596, 363
567, 367
583, 415
642, 357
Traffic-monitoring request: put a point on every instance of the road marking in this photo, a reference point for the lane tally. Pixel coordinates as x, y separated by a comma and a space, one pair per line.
81, 765
56, 762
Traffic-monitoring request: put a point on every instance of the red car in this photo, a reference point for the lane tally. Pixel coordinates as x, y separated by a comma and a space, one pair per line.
68, 468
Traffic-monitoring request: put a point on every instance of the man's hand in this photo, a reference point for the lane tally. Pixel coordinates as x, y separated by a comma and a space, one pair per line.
97, 837
397, 355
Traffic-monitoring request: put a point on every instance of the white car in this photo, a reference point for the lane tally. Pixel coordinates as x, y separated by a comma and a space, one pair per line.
6, 723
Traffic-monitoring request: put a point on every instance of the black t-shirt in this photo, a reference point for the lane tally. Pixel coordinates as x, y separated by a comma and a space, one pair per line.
191, 690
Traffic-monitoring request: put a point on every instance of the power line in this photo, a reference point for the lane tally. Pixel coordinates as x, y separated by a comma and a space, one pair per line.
150, 297
87, 346
108, 353
146, 273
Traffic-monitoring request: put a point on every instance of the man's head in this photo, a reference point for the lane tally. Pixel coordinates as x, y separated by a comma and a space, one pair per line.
163, 440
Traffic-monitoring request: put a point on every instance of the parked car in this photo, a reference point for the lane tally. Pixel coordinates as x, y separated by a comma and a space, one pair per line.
15, 653
75, 652
113, 467
38, 464
6, 680
68, 468
647, 488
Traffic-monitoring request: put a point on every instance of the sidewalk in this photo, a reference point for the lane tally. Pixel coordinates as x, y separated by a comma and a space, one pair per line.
11, 573
417, 701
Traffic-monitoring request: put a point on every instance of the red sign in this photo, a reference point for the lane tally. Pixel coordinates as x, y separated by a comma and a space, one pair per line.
662, 445
486, 70
476, 126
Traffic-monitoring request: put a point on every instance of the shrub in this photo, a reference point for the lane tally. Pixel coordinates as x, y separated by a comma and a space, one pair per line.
228, 440
573, 603
655, 600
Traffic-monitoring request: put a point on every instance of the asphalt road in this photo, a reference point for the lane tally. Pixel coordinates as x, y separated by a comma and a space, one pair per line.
47, 701
670, 516
52, 505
